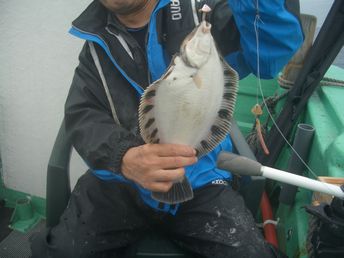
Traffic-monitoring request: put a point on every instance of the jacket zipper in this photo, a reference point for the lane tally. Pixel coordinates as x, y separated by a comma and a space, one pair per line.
145, 55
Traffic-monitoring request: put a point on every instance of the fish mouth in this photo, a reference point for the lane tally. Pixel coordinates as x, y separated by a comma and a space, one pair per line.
203, 28
206, 27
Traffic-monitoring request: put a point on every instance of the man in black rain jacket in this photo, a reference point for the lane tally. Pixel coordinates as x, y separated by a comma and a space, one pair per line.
128, 45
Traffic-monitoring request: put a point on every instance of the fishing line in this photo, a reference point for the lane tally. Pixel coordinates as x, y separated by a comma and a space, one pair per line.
257, 18
260, 88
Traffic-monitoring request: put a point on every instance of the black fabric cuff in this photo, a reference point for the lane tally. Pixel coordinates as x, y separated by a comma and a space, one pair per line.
122, 148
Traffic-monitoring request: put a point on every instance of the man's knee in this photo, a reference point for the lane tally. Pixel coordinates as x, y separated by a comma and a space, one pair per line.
45, 244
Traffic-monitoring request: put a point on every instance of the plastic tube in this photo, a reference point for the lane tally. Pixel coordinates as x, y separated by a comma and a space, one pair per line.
302, 142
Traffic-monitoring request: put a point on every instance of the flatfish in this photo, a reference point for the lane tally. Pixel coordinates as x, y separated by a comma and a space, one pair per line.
191, 104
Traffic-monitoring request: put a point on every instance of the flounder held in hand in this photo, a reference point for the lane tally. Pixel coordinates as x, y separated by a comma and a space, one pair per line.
191, 104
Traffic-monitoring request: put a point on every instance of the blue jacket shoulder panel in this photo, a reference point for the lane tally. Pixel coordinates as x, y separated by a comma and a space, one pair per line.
279, 36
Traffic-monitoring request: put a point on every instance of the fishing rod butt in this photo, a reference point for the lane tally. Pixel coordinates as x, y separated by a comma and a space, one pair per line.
238, 164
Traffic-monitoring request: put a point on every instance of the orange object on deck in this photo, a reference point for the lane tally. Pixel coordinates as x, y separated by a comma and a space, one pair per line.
269, 228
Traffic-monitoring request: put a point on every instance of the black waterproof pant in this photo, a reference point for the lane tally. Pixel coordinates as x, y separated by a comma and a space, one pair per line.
104, 217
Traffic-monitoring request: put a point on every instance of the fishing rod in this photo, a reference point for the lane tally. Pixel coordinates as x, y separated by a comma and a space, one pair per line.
247, 167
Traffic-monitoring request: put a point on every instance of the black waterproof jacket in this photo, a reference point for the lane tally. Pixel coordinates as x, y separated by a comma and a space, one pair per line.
95, 136
99, 140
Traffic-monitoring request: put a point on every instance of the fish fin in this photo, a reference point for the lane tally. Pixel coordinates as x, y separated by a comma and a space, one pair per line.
148, 129
221, 126
179, 192
197, 80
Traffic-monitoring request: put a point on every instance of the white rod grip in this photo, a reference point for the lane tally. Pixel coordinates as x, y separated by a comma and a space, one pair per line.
301, 181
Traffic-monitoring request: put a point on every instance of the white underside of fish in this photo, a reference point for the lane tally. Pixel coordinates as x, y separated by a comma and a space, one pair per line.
185, 109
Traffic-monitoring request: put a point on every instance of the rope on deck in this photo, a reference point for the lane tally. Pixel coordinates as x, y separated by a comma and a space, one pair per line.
326, 81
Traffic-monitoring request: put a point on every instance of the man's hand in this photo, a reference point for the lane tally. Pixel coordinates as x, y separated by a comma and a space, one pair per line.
156, 166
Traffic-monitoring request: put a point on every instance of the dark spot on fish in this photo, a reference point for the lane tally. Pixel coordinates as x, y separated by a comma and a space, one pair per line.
228, 84
147, 109
215, 130
227, 96
223, 113
150, 94
227, 72
204, 144
174, 78
153, 134
149, 123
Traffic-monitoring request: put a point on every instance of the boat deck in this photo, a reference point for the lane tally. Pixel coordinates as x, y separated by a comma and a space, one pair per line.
14, 244
5, 216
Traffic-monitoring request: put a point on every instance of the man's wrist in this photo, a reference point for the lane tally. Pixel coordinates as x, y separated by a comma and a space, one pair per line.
122, 150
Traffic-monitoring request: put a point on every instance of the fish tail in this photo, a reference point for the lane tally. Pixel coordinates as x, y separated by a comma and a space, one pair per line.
179, 192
